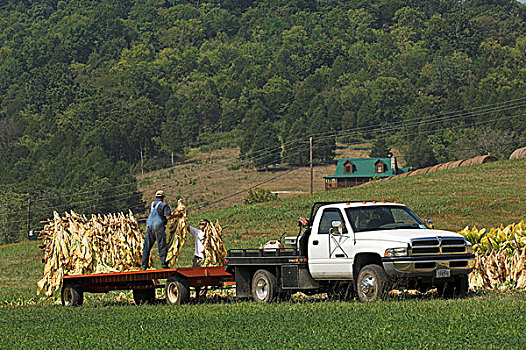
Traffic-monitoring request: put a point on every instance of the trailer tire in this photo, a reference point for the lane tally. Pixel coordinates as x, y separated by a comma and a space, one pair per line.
264, 286
72, 295
144, 296
372, 283
176, 290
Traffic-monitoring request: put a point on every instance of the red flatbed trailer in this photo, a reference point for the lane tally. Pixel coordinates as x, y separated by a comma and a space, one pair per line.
143, 283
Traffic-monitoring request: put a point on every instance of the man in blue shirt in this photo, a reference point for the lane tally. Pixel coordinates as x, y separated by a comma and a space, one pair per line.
160, 213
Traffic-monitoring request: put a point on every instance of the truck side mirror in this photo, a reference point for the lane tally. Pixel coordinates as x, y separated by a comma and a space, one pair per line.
429, 223
336, 228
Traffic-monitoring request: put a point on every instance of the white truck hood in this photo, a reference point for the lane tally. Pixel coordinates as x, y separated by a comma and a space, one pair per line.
404, 235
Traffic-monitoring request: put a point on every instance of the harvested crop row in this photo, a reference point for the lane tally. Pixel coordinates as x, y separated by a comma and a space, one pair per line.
214, 249
76, 245
500, 256
176, 234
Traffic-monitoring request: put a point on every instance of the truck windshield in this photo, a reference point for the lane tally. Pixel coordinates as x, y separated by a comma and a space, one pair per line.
383, 217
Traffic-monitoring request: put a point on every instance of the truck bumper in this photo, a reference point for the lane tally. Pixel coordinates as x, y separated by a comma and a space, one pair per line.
426, 267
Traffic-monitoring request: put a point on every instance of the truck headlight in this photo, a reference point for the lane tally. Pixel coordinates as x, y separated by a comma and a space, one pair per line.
391, 252
469, 248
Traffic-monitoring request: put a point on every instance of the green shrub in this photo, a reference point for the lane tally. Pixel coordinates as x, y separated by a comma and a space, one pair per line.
260, 195
233, 167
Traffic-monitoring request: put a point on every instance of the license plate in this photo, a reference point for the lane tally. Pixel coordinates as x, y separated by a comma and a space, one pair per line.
442, 273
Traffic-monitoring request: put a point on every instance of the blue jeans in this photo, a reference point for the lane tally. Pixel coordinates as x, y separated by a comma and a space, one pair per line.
154, 234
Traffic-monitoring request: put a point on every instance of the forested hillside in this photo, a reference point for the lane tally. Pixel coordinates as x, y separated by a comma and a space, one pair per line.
94, 92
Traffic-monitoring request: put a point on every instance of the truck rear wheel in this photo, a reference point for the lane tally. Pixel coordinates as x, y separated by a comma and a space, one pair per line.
146, 295
72, 295
176, 290
264, 286
372, 283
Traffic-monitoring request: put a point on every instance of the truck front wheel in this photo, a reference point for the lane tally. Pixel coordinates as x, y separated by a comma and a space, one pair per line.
264, 286
372, 283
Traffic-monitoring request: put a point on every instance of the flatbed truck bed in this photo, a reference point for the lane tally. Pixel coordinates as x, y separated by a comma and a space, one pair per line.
143, 283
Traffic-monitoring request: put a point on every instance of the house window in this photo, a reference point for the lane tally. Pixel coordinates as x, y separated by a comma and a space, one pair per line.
347, 168
379, 167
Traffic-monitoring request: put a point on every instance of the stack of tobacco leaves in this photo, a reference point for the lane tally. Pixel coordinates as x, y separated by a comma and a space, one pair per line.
74, 245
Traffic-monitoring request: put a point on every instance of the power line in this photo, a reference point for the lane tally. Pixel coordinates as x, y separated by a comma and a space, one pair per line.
283, 174
246, 189
450, 116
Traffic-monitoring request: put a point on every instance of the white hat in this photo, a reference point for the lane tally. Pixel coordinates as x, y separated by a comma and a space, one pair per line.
159, 193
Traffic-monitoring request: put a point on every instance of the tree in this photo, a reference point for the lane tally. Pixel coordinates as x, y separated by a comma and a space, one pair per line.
385, 102
380, 149
256, 115
266, 147
324, 144
296, 145
420, 153
480, 141
278, 94
12, 225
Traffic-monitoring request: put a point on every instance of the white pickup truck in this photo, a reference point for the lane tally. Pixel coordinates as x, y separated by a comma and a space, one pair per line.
362, 249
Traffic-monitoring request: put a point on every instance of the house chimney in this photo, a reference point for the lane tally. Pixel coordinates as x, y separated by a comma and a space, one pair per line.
394, 165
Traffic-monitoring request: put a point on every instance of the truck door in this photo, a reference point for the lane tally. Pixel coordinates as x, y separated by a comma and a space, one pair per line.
329, 252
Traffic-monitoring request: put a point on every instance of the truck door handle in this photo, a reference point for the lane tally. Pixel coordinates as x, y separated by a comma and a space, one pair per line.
340, 255
315, 242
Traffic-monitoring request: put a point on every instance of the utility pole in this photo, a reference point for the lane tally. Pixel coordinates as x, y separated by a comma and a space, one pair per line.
311, 175
29, 218
142, 162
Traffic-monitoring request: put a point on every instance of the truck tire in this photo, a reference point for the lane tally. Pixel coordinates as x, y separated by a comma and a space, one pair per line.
144, 296
264, 286
176, 290
72, 295
372, 283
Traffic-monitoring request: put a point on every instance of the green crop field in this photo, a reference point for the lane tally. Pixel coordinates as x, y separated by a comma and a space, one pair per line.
493, 321
485, 195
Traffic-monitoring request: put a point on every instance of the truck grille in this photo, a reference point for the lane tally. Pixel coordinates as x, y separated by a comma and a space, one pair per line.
440, 245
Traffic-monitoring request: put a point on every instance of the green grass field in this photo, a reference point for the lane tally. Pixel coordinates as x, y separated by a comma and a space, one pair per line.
492, 321
484, 195
487, 195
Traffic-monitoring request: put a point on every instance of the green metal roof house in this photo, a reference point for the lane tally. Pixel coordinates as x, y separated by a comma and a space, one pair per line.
356, 171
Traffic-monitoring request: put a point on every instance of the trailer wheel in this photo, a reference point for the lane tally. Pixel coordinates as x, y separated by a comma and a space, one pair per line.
144, 296
372, 283
176, 290
72, 295
264, 286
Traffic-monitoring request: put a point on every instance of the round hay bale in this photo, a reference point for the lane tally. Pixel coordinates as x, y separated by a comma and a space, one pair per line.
442, 166
488, 159
432, 169
404, 174
419, 171
519, 153
455, 164
479, 160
